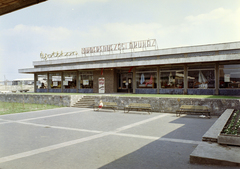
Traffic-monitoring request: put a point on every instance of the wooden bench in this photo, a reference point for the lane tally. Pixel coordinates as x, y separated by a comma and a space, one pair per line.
107, 105
191, 109
4, 92
138, 106
24, 90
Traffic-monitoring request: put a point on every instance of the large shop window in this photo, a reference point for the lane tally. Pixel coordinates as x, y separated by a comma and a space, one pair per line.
42, 81
55, 80
146, 78
201, 77
172, 78
86, 80
70, 80
229, 76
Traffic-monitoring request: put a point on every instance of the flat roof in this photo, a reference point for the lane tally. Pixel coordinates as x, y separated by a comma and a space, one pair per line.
179, 55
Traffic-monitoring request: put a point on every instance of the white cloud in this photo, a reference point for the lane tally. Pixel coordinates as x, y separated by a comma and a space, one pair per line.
216, 14
52, 33
217, 26
122, 32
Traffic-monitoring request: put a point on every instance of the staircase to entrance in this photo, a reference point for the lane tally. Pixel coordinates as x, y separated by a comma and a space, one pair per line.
85, 102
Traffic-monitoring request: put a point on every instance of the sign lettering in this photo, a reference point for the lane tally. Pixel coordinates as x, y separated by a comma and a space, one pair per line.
120, 46
45, 56
144, 44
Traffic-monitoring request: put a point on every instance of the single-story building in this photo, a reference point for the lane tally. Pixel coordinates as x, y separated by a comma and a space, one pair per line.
212, 69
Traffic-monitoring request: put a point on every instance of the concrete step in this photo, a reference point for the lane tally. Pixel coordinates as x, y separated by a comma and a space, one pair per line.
87, 99
213, 153
85, 102
87, 106
83, 105
210, 152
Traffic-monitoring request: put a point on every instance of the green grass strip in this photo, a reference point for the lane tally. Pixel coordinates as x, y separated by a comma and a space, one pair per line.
11, 108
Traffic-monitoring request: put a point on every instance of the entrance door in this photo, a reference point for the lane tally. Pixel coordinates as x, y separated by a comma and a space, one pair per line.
125, 82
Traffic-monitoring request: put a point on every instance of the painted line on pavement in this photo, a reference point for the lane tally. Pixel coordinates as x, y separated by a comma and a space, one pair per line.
54, 115
59, 127
73, 142
157, 138
139, 123
5, 121
35, 118
50, 148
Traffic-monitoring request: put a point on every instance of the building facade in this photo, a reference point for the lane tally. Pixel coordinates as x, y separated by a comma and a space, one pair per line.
212, 69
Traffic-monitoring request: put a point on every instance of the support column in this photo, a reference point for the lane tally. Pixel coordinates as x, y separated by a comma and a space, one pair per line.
61, 82
134, 80
158, 80
185, 79
77, 81
217, 78
48, 82
35, 82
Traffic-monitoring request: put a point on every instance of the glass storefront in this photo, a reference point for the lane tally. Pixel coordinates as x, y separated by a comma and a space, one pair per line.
229, 76
55, 80
172, 78
86, 80
70, 80
201, 77
42, 81
146, 77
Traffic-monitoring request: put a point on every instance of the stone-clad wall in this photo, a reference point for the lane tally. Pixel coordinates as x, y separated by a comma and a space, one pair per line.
168, 105
59, 100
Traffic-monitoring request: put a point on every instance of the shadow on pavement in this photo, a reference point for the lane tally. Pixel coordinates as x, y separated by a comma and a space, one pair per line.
165, 154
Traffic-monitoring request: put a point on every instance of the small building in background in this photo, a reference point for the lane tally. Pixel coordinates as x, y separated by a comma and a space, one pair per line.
24, 81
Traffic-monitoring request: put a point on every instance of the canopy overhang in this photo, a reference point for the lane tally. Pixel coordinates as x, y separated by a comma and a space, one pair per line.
7, 6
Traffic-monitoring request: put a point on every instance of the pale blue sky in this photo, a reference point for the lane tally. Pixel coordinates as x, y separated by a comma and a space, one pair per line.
69, 25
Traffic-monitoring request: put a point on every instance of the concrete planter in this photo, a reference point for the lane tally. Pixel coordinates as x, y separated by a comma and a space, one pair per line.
229, 139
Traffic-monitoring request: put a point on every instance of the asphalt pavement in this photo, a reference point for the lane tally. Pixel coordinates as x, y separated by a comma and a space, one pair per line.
80, 138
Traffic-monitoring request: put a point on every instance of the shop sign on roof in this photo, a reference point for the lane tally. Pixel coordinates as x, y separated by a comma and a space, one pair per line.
106, 49
46, 56
143, 44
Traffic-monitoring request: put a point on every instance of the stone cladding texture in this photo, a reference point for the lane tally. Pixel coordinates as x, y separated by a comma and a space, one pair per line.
163, 105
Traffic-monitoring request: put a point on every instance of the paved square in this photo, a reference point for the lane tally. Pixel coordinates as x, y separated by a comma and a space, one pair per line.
73, 138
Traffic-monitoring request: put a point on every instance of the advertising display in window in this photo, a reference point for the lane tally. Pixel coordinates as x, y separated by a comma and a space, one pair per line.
172, 79
202, 78
55, 80
229, 76
146, 78
70, 80
86, 80
42, 81
55, 84
101, 85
